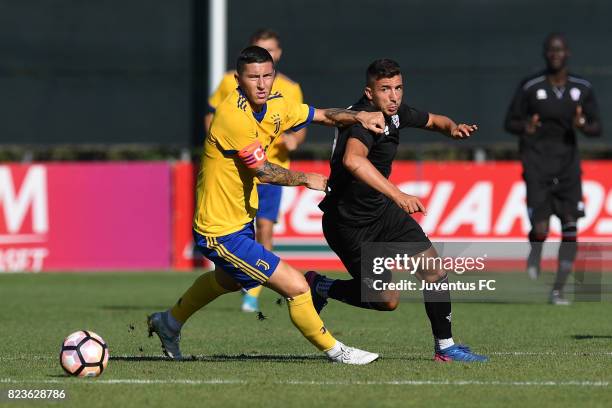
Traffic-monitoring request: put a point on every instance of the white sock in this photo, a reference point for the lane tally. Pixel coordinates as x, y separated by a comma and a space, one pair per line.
334, 351
441, 344
173, 324
323, 286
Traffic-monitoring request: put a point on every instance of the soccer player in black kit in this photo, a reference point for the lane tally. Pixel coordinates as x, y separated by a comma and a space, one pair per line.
546, 111
362, 206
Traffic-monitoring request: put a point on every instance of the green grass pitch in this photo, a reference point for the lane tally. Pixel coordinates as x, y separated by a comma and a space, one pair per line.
540, 355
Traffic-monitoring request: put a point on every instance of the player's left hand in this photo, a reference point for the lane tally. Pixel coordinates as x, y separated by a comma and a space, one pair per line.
289, 141
579, 118
373, 121
463, 131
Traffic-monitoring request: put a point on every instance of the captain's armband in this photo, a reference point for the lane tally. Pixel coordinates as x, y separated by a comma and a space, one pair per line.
253, 156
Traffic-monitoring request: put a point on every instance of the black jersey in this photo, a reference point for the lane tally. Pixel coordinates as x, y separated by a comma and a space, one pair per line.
552, 151
352, 200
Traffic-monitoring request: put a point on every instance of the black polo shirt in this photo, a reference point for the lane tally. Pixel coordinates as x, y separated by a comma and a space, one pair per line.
552, 151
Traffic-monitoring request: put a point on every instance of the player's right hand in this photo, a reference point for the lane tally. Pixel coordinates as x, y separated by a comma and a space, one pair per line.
373, 121
315, 181
533, 124
410, 204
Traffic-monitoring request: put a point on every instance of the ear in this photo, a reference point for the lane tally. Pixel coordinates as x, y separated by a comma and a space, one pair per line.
280, 53
236, 77
368, 92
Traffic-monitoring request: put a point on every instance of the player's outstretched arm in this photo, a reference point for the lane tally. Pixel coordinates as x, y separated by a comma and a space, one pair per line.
356, 161
446, 126
254, 158
373, 121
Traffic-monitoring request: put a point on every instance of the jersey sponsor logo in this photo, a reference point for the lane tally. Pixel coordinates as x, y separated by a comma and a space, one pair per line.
262, 264
575, 94
395, 120
541, 94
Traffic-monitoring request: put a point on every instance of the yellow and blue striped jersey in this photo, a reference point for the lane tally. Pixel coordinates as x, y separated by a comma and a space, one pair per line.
282, 85
226, 195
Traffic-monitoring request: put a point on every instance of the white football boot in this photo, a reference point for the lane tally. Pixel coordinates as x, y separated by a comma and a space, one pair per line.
341, 353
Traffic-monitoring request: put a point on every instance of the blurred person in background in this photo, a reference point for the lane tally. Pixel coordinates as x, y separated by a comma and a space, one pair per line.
546, 111
269, 194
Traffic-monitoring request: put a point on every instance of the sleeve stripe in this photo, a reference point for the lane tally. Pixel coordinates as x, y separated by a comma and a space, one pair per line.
311, 112
580, 81
532, 82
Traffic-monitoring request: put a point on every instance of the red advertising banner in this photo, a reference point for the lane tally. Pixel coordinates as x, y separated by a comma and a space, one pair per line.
465, 202
75, 216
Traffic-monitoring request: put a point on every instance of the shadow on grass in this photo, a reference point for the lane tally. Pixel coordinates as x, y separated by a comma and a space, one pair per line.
589, 336
223, 357
251, 357
133, 307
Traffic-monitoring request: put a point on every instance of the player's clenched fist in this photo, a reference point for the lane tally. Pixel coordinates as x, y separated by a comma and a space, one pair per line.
374, 121
463, 131
409, 203
315, 181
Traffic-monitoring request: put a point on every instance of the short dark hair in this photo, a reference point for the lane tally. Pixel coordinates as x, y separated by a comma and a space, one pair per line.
552, 36
250, 55
382, 68
264, 34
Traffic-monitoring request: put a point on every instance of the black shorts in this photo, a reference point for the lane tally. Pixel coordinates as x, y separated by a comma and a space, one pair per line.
394, 225
558, 197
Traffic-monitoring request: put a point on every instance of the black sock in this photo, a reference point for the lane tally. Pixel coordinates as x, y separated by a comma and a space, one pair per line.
438, 308
346, 291
357, 292
537, 243
567, 255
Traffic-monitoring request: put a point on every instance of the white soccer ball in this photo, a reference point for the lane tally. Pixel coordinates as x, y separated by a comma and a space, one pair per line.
84, 354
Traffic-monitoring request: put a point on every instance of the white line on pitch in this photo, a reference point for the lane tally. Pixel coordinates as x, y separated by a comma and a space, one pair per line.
300, 382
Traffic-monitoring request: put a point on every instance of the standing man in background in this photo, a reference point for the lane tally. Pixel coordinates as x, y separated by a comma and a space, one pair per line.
278, 153
546, 111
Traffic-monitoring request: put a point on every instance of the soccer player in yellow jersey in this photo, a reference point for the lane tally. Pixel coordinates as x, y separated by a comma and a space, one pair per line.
278, 153
243, 128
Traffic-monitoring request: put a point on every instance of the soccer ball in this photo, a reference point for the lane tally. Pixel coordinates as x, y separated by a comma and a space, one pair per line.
84, 354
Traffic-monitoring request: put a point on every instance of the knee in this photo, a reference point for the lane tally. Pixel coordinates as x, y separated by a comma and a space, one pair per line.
388, 302
539, 235
297, 289
389, 305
